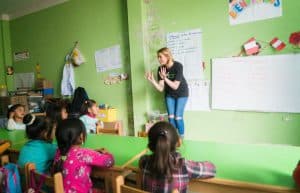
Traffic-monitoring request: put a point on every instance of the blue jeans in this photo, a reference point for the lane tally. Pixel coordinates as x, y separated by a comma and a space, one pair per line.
175, 108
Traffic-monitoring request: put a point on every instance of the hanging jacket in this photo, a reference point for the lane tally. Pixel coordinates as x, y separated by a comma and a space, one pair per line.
68, 81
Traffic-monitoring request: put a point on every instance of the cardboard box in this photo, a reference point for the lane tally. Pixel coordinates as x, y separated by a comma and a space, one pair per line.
107, 115
42, 83
20, 99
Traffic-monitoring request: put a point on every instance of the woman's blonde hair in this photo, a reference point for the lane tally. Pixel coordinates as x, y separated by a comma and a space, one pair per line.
166, 52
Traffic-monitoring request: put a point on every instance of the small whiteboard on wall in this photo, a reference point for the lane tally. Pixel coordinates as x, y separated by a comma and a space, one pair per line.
257, 83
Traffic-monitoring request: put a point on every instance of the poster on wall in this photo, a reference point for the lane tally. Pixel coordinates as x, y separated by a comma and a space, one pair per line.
243, 11
198, 95
186, 48
108, 58
22, 55
24, 80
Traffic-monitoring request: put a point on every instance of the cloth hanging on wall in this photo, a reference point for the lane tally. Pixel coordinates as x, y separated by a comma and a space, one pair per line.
68, 80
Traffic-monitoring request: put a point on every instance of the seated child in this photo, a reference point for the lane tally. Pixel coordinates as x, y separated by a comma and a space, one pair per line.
74, 161
39, 149
57, 110
15, 116
56, 113
89, 112
165, 170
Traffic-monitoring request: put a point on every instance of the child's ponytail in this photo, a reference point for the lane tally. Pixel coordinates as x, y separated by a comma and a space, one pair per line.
86, 105
162, 142
162, 161
67, 134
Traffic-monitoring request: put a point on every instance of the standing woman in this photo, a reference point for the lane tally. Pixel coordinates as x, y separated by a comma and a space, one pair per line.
171, 80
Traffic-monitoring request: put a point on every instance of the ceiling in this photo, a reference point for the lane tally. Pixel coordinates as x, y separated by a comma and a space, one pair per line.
11, 9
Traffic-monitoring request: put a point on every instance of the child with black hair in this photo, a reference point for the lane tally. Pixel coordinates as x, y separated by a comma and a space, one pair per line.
89, 112
39, 149
165, 170
76, 162
15, 117
57, 112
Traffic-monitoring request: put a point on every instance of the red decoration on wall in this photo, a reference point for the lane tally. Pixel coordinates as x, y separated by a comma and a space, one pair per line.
295, 39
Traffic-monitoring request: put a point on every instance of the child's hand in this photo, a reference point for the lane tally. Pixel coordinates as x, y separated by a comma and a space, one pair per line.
11, 115
102, 150
179, 142
2, 141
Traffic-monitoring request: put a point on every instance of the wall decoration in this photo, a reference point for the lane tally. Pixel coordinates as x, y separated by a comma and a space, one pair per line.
22, 55
10, 70
243, 11
295, 39
114, 78
108, 58
277, 44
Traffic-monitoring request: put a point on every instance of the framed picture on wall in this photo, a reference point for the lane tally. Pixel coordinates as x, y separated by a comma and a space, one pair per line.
22, 55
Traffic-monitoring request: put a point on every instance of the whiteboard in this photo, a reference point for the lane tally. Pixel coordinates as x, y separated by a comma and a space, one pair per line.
257, 83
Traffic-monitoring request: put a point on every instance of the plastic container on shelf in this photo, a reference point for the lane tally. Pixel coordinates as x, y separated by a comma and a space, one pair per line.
155, 116
3, 90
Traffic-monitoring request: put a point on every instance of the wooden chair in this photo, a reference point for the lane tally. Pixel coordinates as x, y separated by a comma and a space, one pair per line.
56, 182
115, 128
4, 146
120, 186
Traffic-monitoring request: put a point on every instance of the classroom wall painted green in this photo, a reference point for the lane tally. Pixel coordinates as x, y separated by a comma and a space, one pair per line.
2, 71
49, 35
220, 40
5, 51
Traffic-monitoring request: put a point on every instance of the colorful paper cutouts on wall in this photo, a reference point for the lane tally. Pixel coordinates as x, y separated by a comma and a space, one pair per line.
277, 44
243, 11
295, 39
114, 78
253, 46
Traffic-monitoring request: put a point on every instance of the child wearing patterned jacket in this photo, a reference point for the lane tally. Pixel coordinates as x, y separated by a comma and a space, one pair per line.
76, 162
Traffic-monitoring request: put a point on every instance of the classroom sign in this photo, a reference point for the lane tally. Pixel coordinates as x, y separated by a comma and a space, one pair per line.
243, 11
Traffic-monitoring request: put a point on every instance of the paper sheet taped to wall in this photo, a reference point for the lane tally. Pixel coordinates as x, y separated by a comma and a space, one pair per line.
108, 58
186, 48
